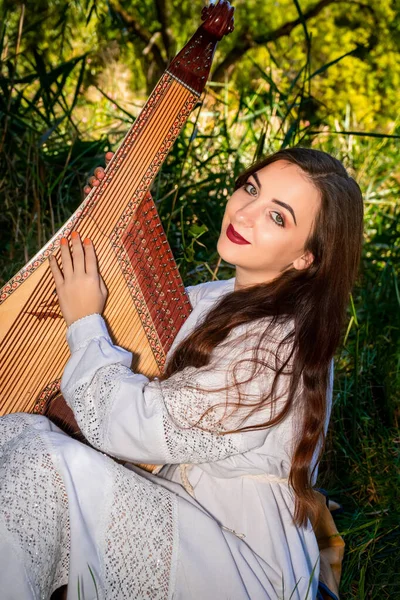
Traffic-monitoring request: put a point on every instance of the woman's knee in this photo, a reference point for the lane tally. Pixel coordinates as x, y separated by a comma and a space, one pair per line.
13, 425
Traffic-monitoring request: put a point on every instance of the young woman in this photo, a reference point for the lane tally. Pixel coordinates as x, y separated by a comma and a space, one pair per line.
238, 418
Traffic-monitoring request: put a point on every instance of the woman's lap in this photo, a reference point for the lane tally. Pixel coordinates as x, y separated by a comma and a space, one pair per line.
129, 531
121, 526
33, 510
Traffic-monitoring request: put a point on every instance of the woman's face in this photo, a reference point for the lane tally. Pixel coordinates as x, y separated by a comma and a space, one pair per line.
274, 214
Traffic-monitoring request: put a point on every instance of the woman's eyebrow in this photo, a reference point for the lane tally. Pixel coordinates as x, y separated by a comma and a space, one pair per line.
257, 180
287, 206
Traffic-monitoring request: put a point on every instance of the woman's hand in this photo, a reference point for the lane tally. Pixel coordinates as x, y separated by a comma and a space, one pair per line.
99, 174
80, 288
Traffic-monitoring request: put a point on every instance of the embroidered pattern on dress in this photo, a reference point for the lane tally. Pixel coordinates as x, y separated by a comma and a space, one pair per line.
139, 544
92, 403
33, 504
185, 403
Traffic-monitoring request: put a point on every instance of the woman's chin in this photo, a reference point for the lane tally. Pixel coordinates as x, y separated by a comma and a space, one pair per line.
228, 251
227, 258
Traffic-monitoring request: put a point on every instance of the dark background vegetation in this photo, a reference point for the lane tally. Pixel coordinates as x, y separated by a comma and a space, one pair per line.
322, 74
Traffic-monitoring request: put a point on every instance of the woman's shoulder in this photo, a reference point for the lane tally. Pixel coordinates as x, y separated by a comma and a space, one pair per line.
209, 290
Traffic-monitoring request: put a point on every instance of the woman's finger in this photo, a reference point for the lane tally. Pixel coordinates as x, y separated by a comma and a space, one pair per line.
93, 181
103, 288
99, 173
90, 258
96, 178
66, 259
78, 254
56, 272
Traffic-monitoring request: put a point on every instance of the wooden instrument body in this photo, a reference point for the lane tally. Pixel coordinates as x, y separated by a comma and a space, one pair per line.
147, 302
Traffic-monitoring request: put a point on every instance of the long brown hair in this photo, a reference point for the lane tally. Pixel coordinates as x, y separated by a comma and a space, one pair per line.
315, 298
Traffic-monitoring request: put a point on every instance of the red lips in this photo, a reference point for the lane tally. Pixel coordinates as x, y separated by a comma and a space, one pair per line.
234, 236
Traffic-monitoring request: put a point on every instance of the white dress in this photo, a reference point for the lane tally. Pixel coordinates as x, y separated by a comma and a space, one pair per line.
69, 514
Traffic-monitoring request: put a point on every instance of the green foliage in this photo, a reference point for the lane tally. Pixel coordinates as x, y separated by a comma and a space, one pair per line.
280, 35
73, 80
361, 463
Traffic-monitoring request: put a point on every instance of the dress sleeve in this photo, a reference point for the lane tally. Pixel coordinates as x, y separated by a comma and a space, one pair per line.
130, 417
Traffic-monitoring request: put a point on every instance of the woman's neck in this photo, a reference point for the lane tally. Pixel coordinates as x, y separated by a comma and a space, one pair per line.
245, 279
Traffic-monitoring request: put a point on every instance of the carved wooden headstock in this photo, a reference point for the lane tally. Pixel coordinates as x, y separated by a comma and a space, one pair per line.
218, 19
191, 66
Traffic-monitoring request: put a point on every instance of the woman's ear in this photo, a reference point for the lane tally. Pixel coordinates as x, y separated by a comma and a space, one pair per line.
304, 261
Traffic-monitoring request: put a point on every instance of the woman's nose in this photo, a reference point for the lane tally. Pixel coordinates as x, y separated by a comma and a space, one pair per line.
247, 215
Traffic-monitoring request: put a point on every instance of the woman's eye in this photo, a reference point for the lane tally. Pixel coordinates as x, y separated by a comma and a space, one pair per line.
279, 220
250, 189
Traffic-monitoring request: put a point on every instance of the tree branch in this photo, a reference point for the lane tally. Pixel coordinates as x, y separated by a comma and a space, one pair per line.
163, 17
143, 34
246, 42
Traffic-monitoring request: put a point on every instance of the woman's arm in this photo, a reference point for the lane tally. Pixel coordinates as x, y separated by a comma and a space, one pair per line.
126, 415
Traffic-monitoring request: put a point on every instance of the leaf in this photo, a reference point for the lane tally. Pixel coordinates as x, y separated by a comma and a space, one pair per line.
329, 64
52, 75
195, 231
43, 138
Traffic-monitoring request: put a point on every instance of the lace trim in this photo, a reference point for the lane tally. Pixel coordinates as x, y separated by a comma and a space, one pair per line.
79, 334
140, 544
71, 327
33, 504
92, 403
186, 440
